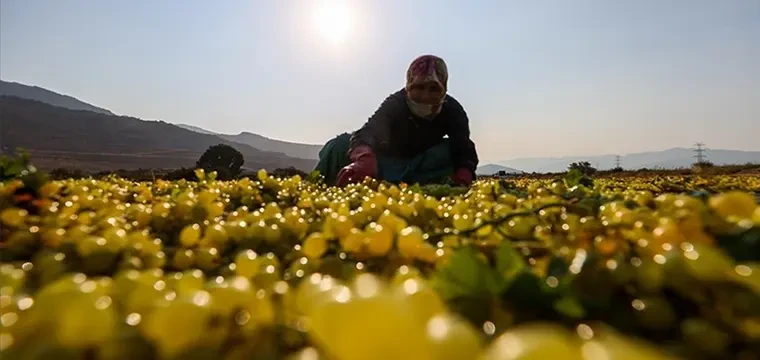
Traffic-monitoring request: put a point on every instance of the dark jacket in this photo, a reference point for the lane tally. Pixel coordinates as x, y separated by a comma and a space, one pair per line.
394, 131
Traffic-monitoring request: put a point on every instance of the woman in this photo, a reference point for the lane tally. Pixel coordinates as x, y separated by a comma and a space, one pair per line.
404, 140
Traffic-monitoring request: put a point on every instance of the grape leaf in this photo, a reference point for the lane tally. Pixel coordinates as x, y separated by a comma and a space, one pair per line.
509, 263
570, 307
465, 275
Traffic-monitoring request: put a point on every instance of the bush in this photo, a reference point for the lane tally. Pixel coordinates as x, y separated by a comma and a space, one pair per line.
223, 159
584, 166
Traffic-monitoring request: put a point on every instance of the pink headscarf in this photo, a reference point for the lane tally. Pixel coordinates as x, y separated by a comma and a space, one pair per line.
427, 68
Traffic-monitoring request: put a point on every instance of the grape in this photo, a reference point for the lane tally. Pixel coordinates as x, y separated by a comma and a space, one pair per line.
87, 321
409, 239
174, 325
190, 235
536, 341
116, 269
379, 239
453, 338
207, 259
183, 259
734, 205
315, 245
421, 298
13, 217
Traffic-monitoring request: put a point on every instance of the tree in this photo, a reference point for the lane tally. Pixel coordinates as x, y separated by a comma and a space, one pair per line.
223, 159
584, 166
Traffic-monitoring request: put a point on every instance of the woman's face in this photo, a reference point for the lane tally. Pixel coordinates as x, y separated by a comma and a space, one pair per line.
428, 93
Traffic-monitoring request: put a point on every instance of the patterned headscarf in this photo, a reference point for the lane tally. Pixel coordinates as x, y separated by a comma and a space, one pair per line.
427, 68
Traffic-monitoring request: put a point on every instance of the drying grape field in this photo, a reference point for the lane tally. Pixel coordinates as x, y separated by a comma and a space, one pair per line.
654, 267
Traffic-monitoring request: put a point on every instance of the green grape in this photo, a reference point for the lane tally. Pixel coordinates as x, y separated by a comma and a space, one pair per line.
13, 217
379, 239
155, 261
84, 321
453, 338
608, 344
207, 259
12, 277
187, 282
229, 294
423, 301
534, 341
173, 326
190, 235
315, 245
217, 235
650, 275
409, 240
463, 222
246, 264
183, 259
334, 327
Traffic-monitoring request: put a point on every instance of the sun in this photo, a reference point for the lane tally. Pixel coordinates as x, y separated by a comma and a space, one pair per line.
333, 20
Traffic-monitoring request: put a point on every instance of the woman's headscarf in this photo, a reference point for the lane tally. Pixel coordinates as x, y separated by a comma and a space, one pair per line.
425, 69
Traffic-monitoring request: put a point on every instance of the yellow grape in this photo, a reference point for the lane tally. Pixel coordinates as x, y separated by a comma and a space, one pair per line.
190, 235
409, 240
379, 240
315, 245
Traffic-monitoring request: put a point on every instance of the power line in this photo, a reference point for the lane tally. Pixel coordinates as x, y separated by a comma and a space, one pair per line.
617, 161
699, 152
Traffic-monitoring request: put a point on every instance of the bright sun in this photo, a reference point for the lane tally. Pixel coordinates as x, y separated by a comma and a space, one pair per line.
333, 20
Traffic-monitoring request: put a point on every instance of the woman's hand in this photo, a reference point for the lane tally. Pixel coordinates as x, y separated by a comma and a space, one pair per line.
462, 177
364, 164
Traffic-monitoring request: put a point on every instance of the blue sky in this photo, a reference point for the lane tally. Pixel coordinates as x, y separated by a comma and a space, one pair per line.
537, 78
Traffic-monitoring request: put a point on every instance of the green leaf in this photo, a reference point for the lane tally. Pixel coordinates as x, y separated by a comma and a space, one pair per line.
315, 177
570, 307
509, 263
573, 177
465, 276
527, 291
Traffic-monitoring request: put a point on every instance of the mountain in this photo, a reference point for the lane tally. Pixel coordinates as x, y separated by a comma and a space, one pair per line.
196, 129
666, 159
491, 169
49, 97
305, 151
91, 141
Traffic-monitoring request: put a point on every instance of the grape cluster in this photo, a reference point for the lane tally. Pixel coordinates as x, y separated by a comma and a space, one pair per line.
649, 267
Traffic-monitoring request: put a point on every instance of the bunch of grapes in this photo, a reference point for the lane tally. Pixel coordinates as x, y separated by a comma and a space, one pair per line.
649, 267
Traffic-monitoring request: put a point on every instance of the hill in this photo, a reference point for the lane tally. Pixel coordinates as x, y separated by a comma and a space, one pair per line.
666, 159
8, 88
491, 169
305, 151
91, 141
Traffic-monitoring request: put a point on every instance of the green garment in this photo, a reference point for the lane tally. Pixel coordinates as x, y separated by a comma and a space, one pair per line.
433, 165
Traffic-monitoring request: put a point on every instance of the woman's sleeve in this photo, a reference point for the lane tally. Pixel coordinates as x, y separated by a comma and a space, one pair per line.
376, 131
463, 152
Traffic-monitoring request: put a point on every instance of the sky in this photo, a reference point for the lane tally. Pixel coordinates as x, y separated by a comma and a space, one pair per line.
537, 78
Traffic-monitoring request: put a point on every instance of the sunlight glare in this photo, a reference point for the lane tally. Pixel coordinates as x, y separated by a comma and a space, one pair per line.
333, 20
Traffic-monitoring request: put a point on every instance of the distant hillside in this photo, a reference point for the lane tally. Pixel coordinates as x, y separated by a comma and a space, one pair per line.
491, 169
49, 97
196, 129
58, 137
666, 159
305, 151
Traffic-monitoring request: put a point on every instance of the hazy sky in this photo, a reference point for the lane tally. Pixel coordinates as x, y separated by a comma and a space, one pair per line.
538, 78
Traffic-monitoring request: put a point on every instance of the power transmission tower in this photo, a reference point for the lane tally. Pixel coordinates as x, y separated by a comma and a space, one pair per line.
617, 161
699, 152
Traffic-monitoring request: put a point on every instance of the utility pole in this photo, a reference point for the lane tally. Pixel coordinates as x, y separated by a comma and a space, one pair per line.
699, 152
617, 162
